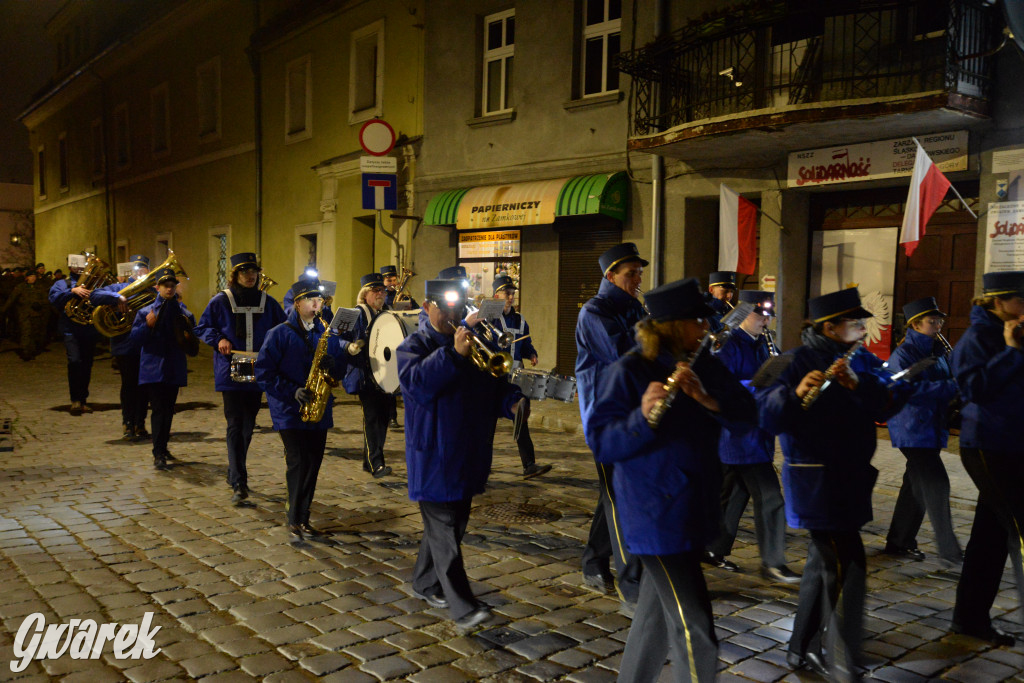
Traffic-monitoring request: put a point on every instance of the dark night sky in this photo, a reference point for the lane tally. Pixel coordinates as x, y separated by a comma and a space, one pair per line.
27, 59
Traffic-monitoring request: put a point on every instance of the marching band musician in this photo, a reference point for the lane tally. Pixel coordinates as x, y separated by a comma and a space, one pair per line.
604, 332
721, 292
376, 404
827, 474
667, 479
390, 275
920, 432
79, 340
238, 319
134, 401
282, 369
747, 457
163, 364
451, 408
512, 321
988, 364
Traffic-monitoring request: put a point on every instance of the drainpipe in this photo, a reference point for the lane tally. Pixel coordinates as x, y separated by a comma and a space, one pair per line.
257, 118
657, 169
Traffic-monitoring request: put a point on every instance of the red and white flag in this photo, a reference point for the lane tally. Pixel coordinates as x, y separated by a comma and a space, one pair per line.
927, 188
737, 232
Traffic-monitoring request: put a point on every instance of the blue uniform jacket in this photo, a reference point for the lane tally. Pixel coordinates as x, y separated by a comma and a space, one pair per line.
667, 481
827, 472
122, 344
604, 333
357, 377
283, 366
160, 357
721, 309
218, 322
991, 379
451, 409
515, 322
60, 294
743, 355
922, 422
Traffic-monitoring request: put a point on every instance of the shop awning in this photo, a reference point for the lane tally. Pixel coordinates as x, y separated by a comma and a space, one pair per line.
533, 203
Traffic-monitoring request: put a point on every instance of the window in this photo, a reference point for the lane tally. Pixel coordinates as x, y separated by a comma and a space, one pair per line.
298, 93
62, 161
41, 170
208, 99
499, 45
122, 140
159, 117
98, 153
366, 73
164, 244
307, 244
602, 25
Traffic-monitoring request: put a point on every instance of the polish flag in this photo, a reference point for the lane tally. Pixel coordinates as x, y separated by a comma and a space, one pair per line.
737, 232
927, 188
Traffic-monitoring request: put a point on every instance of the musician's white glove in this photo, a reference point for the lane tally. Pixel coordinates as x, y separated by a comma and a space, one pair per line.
303, 396
355, 347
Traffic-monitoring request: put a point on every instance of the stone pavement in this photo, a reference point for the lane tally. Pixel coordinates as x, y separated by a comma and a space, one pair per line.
88, 529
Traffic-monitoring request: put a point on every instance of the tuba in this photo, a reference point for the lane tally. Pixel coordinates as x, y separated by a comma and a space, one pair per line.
319, 381
400, 294
110, 321
96, 274
265, 282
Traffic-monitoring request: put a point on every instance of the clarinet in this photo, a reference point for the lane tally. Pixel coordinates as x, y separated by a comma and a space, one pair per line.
815, 392
769, 342
672, 383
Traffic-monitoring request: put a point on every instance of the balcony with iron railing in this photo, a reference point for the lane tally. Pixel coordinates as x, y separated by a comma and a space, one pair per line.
768, 65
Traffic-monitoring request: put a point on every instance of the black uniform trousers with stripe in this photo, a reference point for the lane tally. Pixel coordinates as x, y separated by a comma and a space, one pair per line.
996, 533
439, 568
606, 541
673, 614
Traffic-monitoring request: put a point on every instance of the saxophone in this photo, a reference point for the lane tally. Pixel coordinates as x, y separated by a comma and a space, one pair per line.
319, 381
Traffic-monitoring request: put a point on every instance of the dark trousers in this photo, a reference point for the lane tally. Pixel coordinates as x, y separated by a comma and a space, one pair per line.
33, 334
526, 452
995, 534
80, 348
832, 596
376, 415
303, 453
240, 410
393, 410
134, 400
439, 568
925, 488
673, 614
759, 481
606, 541
162, 397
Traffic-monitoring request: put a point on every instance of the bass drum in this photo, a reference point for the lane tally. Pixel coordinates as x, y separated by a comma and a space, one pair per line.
387, 331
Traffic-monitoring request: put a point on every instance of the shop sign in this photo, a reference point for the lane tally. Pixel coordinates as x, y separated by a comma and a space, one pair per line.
499, 206
876, 160
496, 244
1004, 236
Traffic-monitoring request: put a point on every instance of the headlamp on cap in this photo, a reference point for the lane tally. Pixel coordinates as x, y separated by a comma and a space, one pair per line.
311, 273
451, 298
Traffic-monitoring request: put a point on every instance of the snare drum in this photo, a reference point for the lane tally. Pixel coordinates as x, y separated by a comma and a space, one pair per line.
387, 331
243, 368
562, 387
533, 383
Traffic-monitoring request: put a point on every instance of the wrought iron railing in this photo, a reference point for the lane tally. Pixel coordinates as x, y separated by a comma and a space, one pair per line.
780, 55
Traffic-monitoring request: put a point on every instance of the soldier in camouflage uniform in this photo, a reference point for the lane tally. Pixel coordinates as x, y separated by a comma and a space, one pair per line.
31, 304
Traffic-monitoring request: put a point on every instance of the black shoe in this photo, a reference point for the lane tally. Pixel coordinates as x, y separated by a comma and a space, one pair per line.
127, 433
86, 408
395, 426
76, 408
437, 600
720, 562
535, 470
141, 433
781, 574
169, 456
311, 531
602, 583
812, 660
997, 637
295, 533
160, 463
469, 622
382, 471
909, 553
241, 493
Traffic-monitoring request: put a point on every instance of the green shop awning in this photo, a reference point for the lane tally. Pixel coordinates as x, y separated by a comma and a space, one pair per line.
532, 203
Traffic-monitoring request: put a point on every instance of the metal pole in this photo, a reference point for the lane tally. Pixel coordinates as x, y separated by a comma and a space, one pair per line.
657, 170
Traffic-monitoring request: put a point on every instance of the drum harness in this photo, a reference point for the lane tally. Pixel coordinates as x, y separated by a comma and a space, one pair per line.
516, 332
248, 311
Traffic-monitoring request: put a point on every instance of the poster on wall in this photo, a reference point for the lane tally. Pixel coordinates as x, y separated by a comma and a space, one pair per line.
1004, 236
481, 277
865, 259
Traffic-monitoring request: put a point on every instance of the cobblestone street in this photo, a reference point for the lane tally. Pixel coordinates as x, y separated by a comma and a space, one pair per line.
88, 529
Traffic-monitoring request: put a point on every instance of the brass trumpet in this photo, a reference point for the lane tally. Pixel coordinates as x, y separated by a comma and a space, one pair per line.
502, 339
498, 363
266, 282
